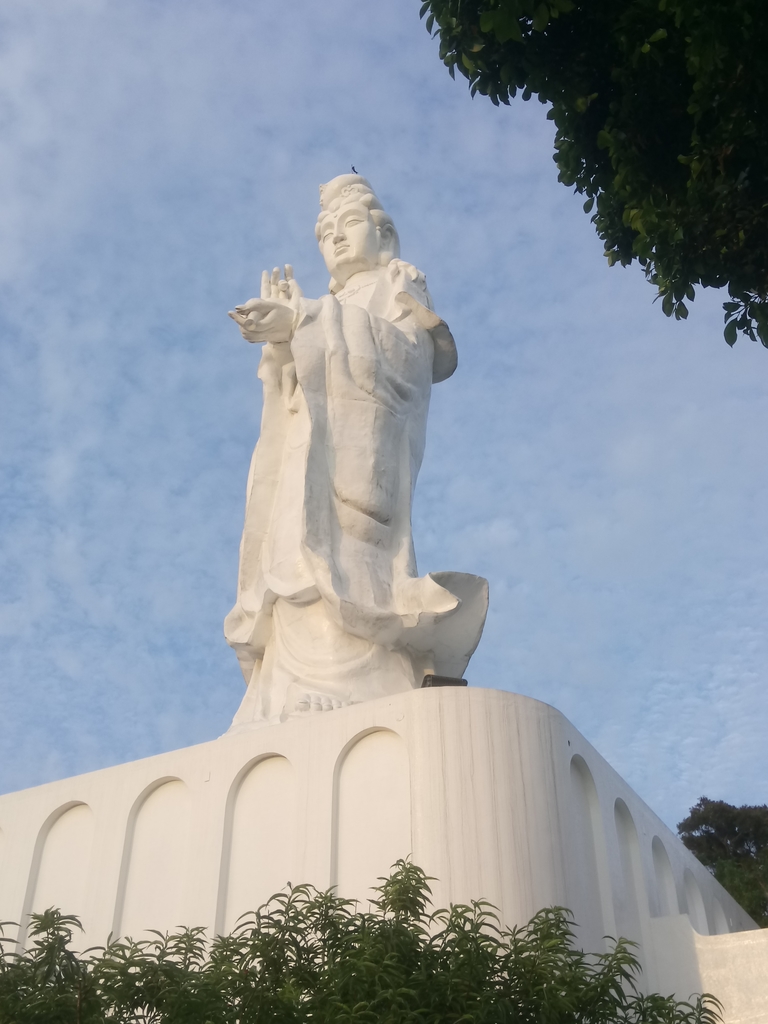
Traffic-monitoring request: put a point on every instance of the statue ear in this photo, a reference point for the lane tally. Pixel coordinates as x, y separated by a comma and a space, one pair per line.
387, 247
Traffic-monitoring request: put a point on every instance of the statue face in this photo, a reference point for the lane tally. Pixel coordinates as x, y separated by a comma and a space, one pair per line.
350, 242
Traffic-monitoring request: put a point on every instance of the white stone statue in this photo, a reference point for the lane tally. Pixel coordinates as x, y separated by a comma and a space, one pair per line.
330, 610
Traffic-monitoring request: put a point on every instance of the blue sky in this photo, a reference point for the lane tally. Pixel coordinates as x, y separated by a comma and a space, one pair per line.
603, 467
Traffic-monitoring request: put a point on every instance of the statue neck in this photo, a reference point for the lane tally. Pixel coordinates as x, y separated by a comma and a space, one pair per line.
362, 281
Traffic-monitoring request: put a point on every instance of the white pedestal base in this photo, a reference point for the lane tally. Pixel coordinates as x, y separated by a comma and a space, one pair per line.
495, 795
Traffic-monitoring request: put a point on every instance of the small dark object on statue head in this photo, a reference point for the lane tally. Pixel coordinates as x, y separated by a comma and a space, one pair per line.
433, 680
353, 169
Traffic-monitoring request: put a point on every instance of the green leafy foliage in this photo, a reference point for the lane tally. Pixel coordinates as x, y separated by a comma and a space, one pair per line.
661, 116
308, 957
49, 984
733, 843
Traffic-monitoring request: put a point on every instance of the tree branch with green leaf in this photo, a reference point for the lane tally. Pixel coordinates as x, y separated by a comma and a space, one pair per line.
661, 122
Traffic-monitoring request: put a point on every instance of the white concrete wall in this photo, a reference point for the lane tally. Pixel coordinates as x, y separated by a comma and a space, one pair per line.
494, 794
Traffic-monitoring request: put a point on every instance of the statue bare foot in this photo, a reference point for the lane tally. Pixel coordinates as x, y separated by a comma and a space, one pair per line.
314, 702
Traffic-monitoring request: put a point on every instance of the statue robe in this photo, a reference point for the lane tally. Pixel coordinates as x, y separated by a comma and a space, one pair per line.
329, 609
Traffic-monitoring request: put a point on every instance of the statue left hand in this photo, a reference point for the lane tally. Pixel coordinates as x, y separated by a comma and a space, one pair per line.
273, 316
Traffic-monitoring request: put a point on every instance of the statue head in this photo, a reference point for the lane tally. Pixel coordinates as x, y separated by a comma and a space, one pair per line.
353, 230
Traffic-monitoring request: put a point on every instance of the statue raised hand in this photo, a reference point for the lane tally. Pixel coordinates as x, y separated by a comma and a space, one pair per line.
272, 317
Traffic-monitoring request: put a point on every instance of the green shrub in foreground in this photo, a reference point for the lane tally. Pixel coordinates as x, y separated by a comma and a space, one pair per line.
308, 956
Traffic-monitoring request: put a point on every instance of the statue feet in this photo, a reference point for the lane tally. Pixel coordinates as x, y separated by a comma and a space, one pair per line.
314, 702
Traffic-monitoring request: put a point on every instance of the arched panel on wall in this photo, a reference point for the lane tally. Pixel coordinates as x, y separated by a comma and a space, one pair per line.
156, 860
260, 845
372, 812
666, 890
631, 895
61, 865
720, 920
695, 901
587, 852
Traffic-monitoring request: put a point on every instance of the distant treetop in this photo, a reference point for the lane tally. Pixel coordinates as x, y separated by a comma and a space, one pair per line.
733, 843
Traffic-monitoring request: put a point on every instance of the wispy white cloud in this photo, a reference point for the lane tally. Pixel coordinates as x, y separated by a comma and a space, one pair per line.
602, 467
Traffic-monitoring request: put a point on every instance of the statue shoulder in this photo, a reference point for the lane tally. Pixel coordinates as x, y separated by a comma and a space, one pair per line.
411, 297
404, 277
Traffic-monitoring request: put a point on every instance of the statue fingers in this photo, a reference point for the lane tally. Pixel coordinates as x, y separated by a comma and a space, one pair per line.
274, 282
251, 313
241, 315
246, 307
293, 292
245, 325
264, 284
